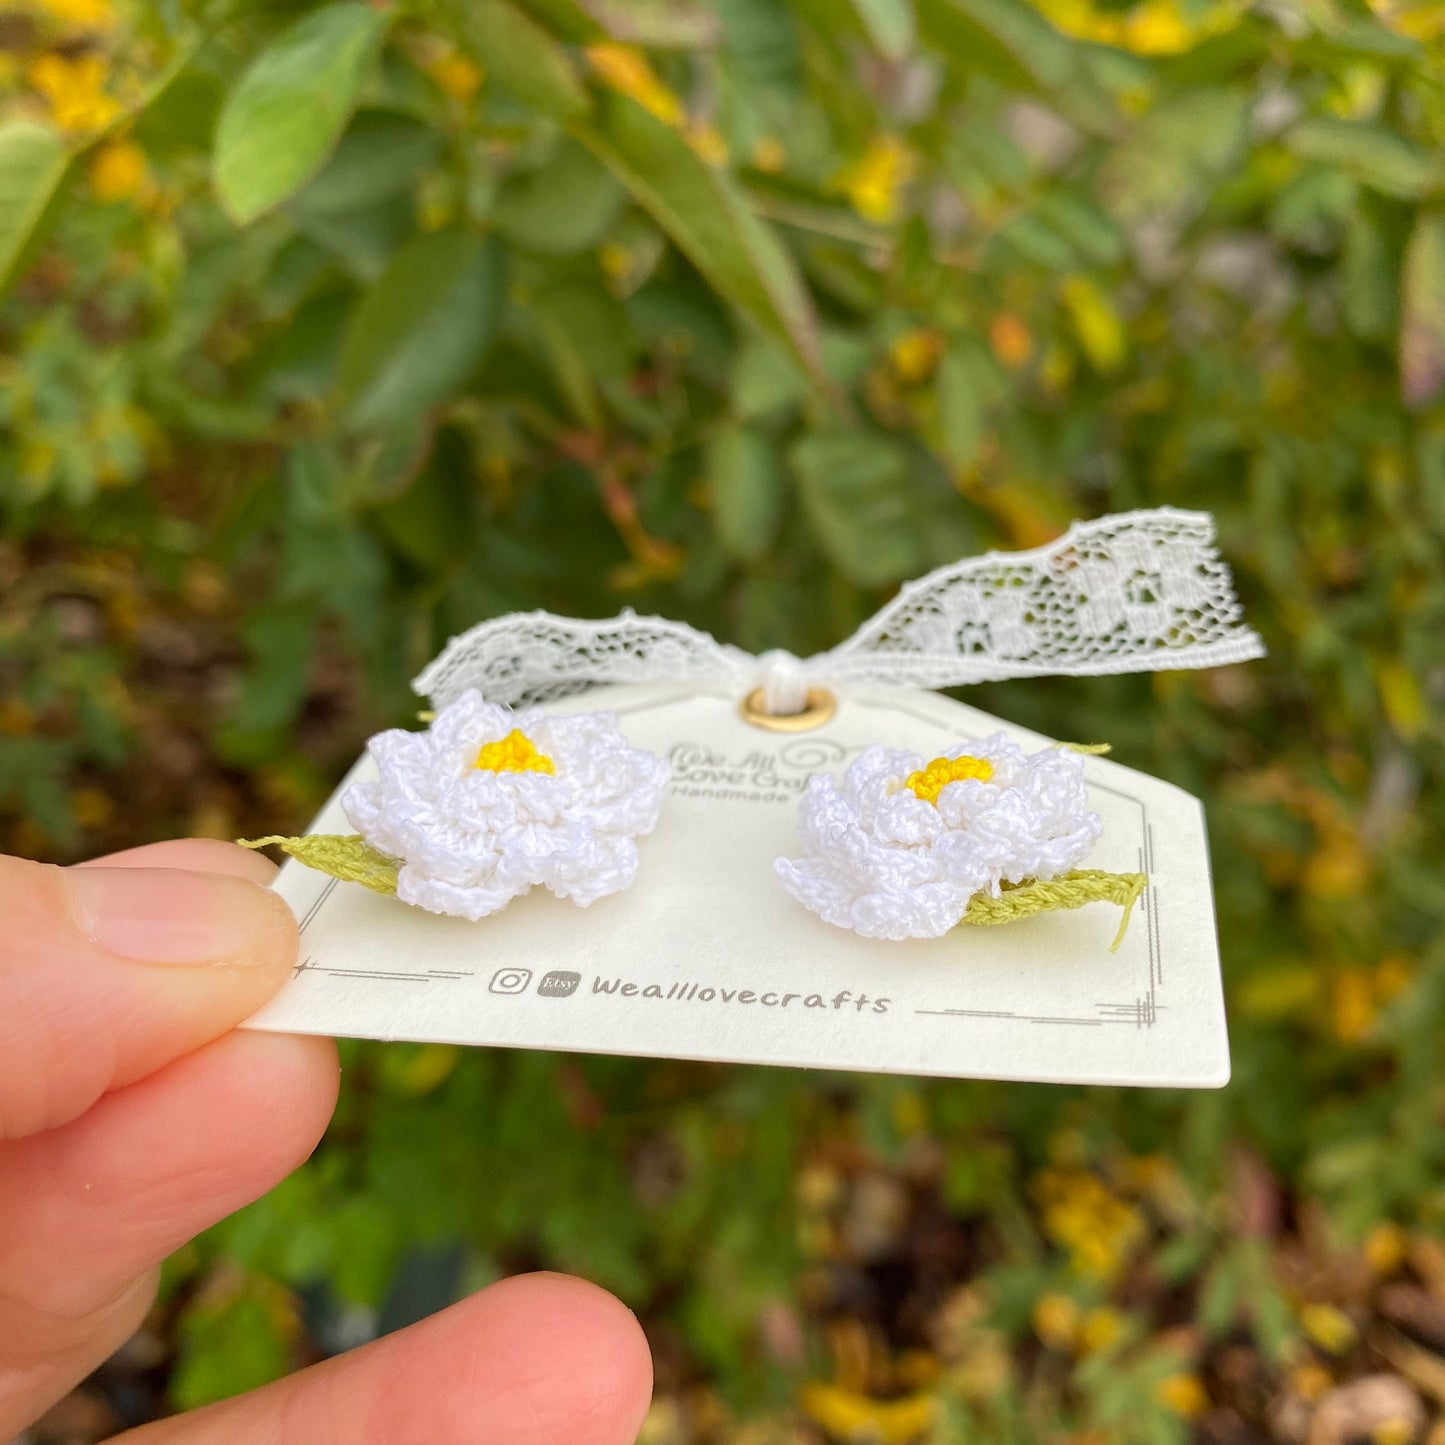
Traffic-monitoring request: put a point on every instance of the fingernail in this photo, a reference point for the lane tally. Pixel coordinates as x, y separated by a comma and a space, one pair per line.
166, 915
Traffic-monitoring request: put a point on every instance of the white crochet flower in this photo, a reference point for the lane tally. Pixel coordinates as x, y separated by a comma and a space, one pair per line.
487, 804
898, 847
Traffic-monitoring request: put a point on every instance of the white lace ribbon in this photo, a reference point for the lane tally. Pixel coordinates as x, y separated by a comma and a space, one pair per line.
1136, 592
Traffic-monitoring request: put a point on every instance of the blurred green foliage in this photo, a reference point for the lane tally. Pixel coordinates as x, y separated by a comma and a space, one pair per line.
333, 329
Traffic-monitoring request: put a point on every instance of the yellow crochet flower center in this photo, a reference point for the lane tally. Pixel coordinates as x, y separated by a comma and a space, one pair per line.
929, 782
515, 753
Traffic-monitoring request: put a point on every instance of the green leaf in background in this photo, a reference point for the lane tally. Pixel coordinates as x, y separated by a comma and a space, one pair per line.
566, 19
33, 165
566, 205
762, 39
421, 330
288, 110
182, 115
1167, 160
665, 24
381, 154
524, 59
363, 240
747, 491
1008, 38
1041, 50
855, 490
433, 521
1422, 333
360, 206
1371, 276
298, 361
890, 25
960, 406
703, 211
1370, 154
589, 340
765, 379
240, 1336
1076, 217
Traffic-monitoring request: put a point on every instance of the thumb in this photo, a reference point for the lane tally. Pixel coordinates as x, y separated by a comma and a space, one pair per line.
108, 974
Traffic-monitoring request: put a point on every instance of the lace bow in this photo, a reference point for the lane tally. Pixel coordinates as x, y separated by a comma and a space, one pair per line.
1137, 592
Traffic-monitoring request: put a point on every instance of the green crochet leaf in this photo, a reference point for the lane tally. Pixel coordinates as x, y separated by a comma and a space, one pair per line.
1072, 890
350, 858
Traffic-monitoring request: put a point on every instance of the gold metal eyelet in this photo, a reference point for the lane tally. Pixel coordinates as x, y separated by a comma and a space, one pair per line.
819, 708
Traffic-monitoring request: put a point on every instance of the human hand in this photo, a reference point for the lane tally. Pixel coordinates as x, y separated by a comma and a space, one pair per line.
133, 1115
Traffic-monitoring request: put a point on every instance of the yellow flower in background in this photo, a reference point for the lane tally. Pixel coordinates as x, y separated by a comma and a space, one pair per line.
1155, 27
1310, 1381
769, 155
75, 90
708, 142
1422, 20
1102, 1329
915, 354
1096, 323
1011, 339
627, 69
1385, 1248
1392, 977
117, 170
1339, 868
456, 76
91, 807
417, 1069
1183, 1394
1402, 697
1057, 371
1056, 1321
38, 459
1158, 28
1099, 1230
875, 182
17, 720
82, 14
910, 1116
846, 1415
1397, 1430
1358, 92
615, 260
1352, 1006
1330, 1328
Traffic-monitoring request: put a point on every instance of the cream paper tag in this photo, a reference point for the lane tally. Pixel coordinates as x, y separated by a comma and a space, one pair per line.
706, 957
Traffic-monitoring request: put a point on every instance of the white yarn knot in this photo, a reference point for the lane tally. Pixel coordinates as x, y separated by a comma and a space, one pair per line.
784, 681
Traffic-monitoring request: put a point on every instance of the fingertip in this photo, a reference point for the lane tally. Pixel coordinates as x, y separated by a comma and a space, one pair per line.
534, 1360
178, 916
579, 1359
195, 855
291, 1079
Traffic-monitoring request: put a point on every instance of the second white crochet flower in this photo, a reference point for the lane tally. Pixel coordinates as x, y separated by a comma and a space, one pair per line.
487, 804
899, 845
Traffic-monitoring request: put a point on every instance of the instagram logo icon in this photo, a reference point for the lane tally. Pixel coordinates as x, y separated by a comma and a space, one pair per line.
510, 980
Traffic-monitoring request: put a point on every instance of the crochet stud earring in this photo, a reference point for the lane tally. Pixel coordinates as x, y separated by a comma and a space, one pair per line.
900, 847
487, 804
